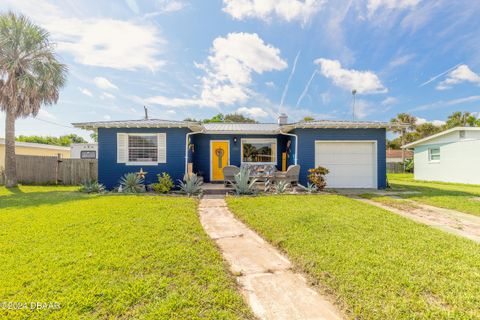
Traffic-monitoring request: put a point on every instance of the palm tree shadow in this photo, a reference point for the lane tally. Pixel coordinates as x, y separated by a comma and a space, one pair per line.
17, 199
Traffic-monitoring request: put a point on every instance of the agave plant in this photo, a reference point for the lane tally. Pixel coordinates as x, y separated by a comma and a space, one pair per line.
131, 183
281, 187
310, 188
243, 185
92, 186
191, 185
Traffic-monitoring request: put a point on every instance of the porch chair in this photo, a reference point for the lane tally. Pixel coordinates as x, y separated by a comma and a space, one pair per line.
229, 173
290, 176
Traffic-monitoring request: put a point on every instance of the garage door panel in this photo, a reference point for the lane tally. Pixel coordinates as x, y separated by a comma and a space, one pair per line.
351, 164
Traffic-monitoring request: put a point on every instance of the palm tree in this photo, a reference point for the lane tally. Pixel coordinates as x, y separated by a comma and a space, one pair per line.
30, 76
461, 119
404, 118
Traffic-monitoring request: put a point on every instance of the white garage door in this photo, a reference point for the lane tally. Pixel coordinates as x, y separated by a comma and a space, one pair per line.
351, 164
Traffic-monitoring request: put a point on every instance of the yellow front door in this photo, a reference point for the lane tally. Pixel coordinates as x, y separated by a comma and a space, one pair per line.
219, 158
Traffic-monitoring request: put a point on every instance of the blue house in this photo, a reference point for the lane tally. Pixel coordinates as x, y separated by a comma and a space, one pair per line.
354, 152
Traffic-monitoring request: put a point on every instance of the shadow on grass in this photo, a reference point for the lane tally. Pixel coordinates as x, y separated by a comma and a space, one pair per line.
16, 198
430, 191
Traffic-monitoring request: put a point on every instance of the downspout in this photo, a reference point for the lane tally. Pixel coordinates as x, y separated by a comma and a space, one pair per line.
187, 138
295, 160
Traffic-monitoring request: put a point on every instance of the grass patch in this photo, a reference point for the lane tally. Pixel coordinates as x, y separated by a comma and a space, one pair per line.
455, 196
110, 257
401, 204
378, 265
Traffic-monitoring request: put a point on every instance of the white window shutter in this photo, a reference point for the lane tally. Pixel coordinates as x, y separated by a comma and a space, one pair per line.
122, 147
162, 147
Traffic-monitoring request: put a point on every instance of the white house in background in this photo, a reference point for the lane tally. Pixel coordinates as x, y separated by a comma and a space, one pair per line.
84, 151
449, 156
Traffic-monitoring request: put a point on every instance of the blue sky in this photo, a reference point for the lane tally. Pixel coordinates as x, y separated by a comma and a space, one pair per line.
186, 58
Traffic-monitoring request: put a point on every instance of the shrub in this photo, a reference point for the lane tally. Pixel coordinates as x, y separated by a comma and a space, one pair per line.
317, 177
281, 187
164, 185
409, 165
191, 185
92, 186
310, 188
243, 185
131, 183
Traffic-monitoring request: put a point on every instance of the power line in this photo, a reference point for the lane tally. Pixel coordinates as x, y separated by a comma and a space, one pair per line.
54, 123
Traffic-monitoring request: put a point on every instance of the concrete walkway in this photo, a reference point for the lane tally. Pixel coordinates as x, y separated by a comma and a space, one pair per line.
455, 222
272, 290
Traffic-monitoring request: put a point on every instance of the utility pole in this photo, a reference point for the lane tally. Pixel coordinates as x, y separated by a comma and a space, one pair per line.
354, 92
146, 112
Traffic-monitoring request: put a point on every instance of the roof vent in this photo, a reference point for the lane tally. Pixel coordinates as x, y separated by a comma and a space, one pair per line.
282, 119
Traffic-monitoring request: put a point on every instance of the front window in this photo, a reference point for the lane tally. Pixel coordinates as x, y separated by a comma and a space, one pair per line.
142, 148
434, 154
259, 150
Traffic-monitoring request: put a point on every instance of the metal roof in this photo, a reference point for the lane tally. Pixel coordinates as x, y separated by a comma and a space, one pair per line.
337, 124
238, 128
418, 142
259, 128
144, 123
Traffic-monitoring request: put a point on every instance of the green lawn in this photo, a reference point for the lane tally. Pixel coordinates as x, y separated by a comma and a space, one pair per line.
461, 197
377, 265
110, 257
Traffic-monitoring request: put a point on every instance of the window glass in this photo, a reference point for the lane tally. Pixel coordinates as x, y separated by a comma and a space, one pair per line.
259, 150
142, 148
434, 154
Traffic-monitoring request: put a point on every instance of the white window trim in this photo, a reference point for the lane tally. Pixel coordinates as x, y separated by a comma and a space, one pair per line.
143, 163
430, 155
274, 140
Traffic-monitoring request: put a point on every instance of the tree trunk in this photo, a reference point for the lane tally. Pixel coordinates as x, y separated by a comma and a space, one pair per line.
10, 160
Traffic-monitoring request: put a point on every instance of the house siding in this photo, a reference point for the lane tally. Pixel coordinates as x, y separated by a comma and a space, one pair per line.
201, 156
458, 159
306, 147
110, 172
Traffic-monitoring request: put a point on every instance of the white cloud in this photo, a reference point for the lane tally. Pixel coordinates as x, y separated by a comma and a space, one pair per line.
374, 5
349, 79
100, 42
362, 109
104, 84
389, 101
448, 103
86, 92
107, 117
229, 70
270, 84
171, 5
253, 112
401, 60
44, 114
288, 10
436, 123
106, 96
460, 74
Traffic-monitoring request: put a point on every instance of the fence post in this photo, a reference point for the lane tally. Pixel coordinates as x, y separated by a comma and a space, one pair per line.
57, 168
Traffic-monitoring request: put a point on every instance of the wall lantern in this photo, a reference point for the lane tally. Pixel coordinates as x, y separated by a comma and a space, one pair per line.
234, 139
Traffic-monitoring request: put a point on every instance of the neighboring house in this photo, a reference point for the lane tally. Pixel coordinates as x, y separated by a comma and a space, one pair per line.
450, 156
84, 150
395, 156
354, 152
34, 149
